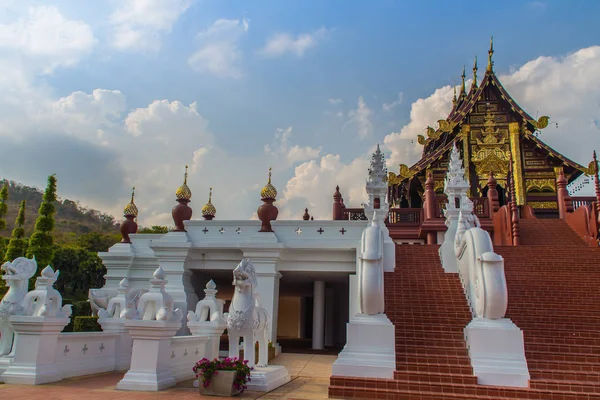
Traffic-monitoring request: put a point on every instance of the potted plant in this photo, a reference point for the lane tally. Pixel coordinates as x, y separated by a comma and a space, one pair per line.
227, 377
271, 347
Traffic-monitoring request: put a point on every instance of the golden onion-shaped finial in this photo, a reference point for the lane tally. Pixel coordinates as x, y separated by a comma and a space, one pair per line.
269, 191
184, 192
131, 209
208, 209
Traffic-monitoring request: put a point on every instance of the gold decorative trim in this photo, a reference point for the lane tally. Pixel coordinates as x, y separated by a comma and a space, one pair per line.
515, 148
543, 205
540, 184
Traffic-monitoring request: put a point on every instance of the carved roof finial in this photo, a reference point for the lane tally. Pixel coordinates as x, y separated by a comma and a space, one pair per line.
184, 192
474, 84
269, 191
490, 53
463, 91
131, 209
454, 100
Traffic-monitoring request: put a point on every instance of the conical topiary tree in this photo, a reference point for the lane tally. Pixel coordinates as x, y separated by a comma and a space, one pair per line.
3, 211
3, 205
41, 243
16, 246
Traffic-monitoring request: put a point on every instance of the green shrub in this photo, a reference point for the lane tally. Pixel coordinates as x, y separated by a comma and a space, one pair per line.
86, 324
82, 309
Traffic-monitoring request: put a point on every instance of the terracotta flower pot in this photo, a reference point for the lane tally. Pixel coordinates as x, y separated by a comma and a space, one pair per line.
221, 384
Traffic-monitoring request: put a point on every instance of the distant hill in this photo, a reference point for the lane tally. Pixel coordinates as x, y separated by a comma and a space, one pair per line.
71, 218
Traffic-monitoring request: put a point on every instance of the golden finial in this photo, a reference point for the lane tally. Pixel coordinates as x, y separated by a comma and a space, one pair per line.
474, 84
490, 53
269, 191
184, 192
209, 210
454, 98
131, 209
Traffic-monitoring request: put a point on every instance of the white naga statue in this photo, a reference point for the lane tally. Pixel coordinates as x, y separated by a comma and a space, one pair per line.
370, 287
16, 275
246, 317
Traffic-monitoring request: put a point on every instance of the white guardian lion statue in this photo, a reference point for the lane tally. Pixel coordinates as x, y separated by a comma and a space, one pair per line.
246, 317
16, 275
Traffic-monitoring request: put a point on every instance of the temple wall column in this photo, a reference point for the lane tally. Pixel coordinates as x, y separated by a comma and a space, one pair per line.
329, 316
302, 322
353, 301
319, 316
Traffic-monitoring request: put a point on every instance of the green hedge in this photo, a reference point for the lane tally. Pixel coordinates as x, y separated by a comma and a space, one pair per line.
80, 309
86, 324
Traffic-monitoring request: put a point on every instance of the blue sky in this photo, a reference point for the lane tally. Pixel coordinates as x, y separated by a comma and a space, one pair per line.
342, 75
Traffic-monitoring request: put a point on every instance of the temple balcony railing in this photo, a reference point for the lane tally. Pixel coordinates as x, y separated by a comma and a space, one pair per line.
481, 206
579, 201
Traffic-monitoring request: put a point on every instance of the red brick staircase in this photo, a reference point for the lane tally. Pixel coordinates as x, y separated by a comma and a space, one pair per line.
552, 297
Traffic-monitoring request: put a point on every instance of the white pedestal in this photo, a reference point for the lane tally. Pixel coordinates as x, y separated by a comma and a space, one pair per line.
213, 331
370, 351
34, 349
5, 362
150, 370
265, 379
123, 344
497, 352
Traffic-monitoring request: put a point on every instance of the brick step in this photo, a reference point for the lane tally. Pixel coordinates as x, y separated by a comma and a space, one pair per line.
590, 320
561, 348
525, 324
435, 318
565, 386
567, 366
560, 375
434, 359
575, 334
430, 342
424, 367
546, 294
530, 307
526, 310
404, 389
559, 357
423, 376
568, 340
432, 351
427, 335
456, 315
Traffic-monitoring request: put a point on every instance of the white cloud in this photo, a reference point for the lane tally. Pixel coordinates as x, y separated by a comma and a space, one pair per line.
219, 53
360, 117
138, 25
390, 106
45, 40
114, 147
293, 154
335, 101
282, 43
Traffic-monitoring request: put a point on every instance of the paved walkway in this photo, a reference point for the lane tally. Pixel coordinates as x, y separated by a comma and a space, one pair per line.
310, 380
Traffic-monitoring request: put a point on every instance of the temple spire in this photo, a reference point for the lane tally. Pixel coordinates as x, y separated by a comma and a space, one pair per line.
463, 92
474, 84
490, 53
454, 100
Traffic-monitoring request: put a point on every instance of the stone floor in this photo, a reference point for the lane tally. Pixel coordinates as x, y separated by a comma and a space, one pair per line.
310, 381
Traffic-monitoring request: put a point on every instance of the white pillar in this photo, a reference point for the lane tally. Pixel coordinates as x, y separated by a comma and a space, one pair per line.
302, 318
319, 316
329, 316
354, 303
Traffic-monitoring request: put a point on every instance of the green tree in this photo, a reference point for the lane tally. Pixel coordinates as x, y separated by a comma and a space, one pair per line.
96, 242
154, 229
41, 243
16, 246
